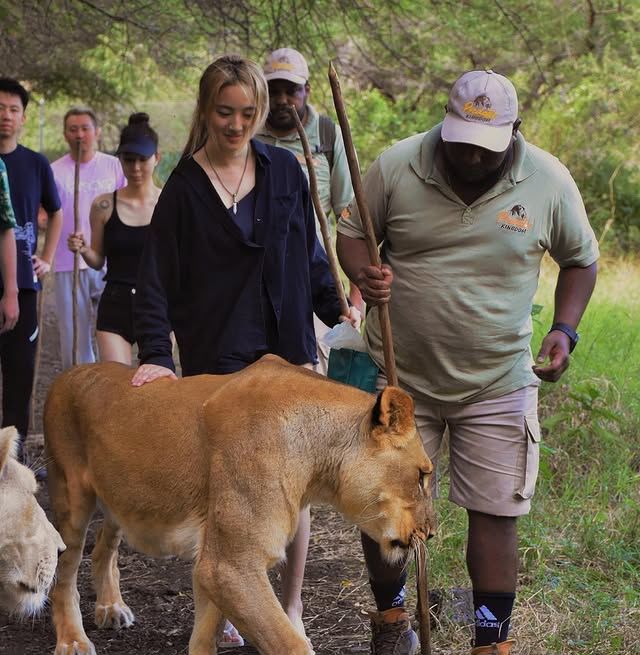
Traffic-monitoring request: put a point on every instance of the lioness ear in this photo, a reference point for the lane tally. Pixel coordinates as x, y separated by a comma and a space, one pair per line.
392, 417
8, 440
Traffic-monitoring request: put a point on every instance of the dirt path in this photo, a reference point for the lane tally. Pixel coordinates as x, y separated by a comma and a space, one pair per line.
159, 591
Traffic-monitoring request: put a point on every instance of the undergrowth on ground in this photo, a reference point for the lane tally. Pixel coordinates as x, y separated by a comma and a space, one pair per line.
579, 582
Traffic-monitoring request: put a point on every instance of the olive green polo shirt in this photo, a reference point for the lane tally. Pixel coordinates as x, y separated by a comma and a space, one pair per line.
465, 276
334, 186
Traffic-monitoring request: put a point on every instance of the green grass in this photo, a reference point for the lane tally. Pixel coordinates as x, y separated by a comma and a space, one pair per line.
579, 582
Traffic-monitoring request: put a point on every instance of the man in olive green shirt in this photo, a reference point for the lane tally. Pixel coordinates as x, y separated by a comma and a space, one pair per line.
287, 75
465, 213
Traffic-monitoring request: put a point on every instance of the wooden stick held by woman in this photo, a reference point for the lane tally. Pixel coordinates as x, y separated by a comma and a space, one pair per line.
322, 217
372, 246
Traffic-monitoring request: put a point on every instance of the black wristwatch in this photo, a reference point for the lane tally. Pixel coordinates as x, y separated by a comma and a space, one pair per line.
569, 331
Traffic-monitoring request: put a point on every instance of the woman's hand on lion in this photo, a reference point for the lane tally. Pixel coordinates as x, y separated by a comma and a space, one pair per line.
150, 372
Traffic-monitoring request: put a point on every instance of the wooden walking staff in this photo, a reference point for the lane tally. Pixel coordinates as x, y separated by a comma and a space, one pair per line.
322, 217
423, 598
387, 337
370, 237
76, 257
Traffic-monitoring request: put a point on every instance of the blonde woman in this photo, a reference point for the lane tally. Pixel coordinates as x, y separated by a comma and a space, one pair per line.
119, 225
232, 264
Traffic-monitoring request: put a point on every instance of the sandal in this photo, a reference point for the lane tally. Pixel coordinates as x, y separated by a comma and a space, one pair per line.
231, 638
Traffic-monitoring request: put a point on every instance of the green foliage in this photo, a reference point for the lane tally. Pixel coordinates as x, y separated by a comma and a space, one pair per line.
579, 578
574, 64
377, 124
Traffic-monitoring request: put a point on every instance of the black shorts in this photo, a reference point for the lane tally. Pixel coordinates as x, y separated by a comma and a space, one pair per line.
115, 311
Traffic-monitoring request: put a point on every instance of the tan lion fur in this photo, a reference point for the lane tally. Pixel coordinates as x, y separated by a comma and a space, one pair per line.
29, 544
217, 468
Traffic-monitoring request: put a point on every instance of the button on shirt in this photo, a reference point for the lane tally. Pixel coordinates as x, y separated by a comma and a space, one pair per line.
465, 276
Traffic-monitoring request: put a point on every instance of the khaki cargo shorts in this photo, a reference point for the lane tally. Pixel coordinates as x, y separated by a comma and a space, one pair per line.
494, 449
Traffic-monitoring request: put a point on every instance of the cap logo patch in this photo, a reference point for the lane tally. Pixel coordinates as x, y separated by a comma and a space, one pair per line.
480, 109
283, 64
514, 220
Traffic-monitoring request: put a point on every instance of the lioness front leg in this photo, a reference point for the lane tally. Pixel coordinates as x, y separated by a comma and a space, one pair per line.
208, 618
110, 610
73, 507
244, 595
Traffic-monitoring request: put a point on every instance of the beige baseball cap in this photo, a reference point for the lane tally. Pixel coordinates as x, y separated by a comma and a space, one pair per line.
286, 64
481, 110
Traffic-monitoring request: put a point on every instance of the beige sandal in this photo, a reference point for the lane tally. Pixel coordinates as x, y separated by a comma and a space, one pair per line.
231, 638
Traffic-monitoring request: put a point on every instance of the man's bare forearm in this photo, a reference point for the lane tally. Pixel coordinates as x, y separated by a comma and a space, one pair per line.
573, 291
52, 236
352, 255
374, 282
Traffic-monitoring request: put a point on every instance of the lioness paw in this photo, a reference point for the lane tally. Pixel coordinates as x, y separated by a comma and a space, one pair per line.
114, 616
75, 648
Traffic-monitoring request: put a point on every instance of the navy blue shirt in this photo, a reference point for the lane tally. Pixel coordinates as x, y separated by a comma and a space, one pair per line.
245, 214
32, 184
202, 277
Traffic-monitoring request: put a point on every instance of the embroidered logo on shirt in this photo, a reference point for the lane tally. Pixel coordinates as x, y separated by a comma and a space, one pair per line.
303, 161
514, 220
480, 109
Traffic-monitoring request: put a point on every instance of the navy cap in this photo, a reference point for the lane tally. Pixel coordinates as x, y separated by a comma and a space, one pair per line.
140, 145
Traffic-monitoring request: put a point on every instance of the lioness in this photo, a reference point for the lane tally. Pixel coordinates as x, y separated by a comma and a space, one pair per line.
29, 544
217, 468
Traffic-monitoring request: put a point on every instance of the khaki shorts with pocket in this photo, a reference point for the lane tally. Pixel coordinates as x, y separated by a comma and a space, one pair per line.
494, 448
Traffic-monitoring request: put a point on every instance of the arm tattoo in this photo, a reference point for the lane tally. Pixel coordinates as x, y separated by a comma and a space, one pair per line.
104, 204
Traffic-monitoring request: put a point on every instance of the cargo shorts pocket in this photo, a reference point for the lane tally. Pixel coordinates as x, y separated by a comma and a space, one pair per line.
532, 457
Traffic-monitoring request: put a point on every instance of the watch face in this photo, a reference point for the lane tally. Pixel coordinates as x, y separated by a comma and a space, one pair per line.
569, 331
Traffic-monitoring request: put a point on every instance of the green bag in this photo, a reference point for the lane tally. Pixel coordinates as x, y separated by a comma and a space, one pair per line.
354, 368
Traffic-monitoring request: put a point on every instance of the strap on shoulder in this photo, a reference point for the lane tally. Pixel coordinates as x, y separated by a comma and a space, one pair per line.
327, 130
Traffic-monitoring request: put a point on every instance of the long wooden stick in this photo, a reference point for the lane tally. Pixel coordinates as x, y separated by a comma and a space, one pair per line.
322, 217
385, 326
423, 599
76, 257
370, 237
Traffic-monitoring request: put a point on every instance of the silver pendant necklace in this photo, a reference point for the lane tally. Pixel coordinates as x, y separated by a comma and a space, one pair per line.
234, 196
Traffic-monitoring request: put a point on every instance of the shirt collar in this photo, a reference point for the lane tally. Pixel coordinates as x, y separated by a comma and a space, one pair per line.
309, 126
261, 151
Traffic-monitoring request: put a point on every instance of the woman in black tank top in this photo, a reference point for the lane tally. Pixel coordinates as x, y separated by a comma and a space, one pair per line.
119, 224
